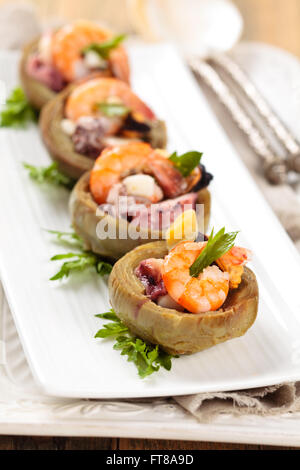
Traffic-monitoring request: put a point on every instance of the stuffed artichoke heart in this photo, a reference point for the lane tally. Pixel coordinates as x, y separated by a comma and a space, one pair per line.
174, 329
85, 118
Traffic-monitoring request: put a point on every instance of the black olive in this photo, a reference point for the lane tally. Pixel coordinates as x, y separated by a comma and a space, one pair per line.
205, 179
132, 125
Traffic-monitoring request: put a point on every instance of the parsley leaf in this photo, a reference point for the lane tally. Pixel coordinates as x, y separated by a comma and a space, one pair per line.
18, 111
113, 109
216, 246
186, 162
77, 261
108, 316
104, 48
50, 174
148, 358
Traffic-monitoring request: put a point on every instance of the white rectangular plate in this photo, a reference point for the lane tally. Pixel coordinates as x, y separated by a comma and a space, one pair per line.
25, 410
56, 321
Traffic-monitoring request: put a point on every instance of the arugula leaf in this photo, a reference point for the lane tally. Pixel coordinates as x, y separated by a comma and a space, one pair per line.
113, 109
18, 111
104, 48
77, 261
216, 246
50, 174
68, 238
186, 162
148, 358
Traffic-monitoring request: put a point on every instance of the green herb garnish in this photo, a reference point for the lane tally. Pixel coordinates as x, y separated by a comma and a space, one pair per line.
216, 246
68, 238
49, 174
104, 48
80, 262
18, 111
148, 358
113, 109
77, 261
186, 162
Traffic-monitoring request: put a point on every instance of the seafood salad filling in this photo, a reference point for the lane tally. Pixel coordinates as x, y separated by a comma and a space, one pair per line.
74, 52
195, 277
146, 186
103, 112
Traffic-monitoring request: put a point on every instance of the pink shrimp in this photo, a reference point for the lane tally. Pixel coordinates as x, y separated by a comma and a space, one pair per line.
197, 295
137, 157
233, 262
84, 98
69, 41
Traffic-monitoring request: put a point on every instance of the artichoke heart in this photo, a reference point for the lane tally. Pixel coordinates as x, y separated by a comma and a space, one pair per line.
86, 216
61, 146
178, 332
37, 93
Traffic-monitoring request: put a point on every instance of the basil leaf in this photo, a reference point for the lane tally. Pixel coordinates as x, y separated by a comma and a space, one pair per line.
104, 48
186, 162
148, 358
113, 109
216, 246
18, 112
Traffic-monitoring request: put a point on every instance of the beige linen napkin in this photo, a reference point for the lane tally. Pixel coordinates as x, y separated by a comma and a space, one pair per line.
272, 400
266, 400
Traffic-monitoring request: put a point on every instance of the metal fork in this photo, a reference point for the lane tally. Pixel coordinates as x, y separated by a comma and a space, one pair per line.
275, 168
283, 134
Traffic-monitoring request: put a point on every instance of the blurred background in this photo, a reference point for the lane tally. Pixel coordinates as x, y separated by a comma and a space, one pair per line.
272, 21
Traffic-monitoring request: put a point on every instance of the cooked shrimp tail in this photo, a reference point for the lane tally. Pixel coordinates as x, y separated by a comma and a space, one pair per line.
233, 263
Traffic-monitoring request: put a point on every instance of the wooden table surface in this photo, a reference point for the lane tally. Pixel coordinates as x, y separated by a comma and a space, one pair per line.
272, 21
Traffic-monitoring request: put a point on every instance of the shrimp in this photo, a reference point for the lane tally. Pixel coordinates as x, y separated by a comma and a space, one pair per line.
85, 97
69, 41
233, 262
199, 294
114, 162
117, 163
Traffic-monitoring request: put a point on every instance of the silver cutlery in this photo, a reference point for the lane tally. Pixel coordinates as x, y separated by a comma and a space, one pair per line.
283, 134
275, 167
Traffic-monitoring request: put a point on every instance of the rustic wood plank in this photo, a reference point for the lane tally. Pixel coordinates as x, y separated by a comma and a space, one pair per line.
7, 442
57, 443
91, 443
149, 444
